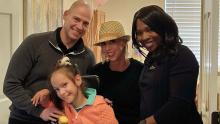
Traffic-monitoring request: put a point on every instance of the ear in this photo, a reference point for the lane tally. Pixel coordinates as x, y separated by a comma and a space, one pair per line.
65, 14
78, 80
122, 45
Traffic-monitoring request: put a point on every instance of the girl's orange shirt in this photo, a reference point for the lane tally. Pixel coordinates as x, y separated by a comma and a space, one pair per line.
97, 113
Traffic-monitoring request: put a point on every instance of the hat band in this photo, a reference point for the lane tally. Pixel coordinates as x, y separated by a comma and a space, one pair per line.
114, 35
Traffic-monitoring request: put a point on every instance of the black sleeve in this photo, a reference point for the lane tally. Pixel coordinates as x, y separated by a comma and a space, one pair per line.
20, 65
92, 70
92, 61
183, 72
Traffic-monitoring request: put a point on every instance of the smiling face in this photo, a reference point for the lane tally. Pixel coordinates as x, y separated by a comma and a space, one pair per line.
113, 50
65, 87
148, 38
76, 22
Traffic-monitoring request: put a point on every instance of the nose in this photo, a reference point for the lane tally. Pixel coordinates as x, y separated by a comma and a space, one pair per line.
144, 37
80, 26
106, 47
62, 91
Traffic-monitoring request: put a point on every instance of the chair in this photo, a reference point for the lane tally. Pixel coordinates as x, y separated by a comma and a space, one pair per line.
92, 81
216, 117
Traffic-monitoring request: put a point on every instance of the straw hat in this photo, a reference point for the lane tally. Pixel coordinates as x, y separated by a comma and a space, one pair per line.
111, 30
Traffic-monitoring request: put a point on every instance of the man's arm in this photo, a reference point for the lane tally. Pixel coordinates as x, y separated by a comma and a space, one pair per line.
19, 67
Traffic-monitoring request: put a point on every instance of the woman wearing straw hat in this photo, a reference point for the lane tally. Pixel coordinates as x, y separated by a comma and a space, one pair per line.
118, 74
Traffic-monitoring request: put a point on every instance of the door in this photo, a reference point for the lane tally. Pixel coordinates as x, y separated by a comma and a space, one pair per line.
11, 33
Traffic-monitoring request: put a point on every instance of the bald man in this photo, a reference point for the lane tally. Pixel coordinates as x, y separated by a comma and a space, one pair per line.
26, 80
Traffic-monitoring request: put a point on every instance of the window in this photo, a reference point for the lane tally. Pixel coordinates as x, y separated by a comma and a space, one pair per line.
187, 14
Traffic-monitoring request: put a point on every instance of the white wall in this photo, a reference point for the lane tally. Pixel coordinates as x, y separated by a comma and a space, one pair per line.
67, 4
11, 34
123, 10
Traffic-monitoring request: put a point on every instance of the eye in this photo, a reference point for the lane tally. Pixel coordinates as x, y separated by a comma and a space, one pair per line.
76, 19
56, 89
138, 33
147, 29
112, 41
64, 85
86, 24
102, 44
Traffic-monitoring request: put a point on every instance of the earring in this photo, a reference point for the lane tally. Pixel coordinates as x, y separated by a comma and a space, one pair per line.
121, 48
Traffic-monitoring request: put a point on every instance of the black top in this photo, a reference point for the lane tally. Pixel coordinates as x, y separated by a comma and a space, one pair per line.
168, 87
122, 89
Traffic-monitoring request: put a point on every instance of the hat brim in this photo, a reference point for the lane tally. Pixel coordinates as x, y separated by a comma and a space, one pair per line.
125, 37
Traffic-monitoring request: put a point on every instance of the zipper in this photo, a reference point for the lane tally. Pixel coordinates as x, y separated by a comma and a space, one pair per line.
72, 53
77, 113
55, 47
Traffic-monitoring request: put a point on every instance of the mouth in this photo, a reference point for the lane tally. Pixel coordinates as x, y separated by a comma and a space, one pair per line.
108, 53
109, 56
147, 44
66, 96
74, 32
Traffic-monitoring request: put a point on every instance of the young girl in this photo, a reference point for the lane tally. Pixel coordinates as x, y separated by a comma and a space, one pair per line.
80, 105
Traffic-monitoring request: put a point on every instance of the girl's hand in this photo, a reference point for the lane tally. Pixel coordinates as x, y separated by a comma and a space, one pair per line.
41, 97
51, 114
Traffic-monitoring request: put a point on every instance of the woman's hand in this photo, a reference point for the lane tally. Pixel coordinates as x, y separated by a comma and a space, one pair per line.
41, 97
143, 122
109, 102
149, 120
51, 114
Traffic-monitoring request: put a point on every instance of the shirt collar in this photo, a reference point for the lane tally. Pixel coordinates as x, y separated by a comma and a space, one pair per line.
78, 48
91, 94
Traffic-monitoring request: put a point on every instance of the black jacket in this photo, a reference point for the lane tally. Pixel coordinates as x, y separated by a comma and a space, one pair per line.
168, 88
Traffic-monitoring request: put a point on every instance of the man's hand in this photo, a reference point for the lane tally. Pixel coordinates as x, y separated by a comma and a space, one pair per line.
41, 97
51, 113
142, 122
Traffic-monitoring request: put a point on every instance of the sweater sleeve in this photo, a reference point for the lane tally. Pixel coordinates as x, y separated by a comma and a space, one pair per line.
91, 58
182, 80
19, 67
107, 115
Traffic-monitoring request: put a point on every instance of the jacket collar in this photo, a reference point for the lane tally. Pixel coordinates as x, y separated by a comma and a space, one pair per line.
78, 48
91, 94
